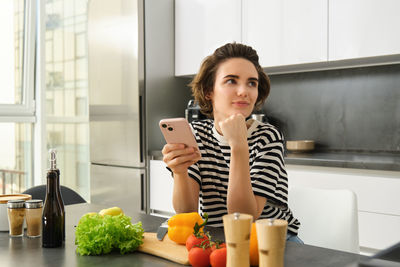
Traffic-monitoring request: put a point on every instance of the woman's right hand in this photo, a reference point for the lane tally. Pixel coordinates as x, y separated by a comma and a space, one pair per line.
178, 157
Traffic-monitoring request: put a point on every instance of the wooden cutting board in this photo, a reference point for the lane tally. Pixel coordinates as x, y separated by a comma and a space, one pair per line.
166, 248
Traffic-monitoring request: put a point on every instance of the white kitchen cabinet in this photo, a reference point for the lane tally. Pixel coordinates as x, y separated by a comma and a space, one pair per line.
363, 28
290, 35
161, 188
283, 32
201, 26
286, 32
378, 230
377, 195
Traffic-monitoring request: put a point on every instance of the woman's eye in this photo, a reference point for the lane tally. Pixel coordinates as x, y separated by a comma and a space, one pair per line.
230, 81
253, 84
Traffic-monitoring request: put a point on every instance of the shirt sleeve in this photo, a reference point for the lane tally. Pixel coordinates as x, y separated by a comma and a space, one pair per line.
194, 173
268, 174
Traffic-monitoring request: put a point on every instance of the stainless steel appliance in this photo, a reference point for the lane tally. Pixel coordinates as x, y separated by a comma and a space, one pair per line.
116, 103
193, 113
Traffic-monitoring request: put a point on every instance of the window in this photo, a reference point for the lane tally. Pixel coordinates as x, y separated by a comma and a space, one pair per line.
67, 121
61, 114
15, 157
11, 51
16, 95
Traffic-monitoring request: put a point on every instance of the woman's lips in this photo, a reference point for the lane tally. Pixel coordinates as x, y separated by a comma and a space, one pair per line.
241, 104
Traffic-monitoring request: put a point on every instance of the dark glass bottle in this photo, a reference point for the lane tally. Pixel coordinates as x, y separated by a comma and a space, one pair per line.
52, 219
61, 201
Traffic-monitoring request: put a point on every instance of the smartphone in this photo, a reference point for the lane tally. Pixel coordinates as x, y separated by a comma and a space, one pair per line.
178, 131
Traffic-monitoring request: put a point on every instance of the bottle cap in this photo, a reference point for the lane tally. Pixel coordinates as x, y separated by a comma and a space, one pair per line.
15, 204
34, 204
53, 159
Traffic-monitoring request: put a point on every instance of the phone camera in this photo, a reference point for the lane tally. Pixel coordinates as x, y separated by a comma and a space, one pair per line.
164, 125
170, 129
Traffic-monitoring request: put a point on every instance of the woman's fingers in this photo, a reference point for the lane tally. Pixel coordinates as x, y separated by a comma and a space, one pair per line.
178, 157
181, 164
178, 153
234, 130
171, 147
182, 158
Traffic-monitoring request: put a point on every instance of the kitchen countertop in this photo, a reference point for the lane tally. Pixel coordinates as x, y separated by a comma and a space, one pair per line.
28, 252
356, 160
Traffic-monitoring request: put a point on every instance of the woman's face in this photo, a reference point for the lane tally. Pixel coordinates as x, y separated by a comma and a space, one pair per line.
235, 89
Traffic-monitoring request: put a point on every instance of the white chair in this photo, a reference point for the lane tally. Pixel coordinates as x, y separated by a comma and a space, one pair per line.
329, 218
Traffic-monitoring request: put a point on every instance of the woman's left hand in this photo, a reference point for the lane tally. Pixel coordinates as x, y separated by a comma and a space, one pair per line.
234, 130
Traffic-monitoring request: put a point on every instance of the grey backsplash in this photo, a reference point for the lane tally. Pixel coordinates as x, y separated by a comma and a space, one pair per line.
346, 110
354, 110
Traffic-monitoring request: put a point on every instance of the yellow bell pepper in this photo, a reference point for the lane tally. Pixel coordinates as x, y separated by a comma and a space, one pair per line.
181, 226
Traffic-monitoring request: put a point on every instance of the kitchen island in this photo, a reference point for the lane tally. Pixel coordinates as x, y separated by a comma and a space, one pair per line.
28, 252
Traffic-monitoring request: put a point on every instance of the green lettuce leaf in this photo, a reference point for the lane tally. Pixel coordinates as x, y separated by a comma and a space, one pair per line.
97, 235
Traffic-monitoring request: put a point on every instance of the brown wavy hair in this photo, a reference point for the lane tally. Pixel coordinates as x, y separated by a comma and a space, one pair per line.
203, 83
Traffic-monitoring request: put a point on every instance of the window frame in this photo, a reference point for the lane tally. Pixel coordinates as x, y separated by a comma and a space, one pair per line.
39, 141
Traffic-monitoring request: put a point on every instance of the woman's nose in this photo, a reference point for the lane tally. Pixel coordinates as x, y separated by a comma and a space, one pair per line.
242, 90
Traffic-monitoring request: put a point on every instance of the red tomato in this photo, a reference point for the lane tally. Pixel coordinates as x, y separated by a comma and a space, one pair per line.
218, 257
214, 246
193, 241
199, 257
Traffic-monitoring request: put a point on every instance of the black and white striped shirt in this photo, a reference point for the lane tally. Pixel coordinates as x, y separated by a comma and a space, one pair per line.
267, 171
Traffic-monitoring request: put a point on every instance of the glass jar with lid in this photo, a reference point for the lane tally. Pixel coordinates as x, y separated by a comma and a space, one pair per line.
16, 216
33, 211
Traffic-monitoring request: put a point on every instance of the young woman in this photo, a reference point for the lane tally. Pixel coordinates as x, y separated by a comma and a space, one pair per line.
240, 165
